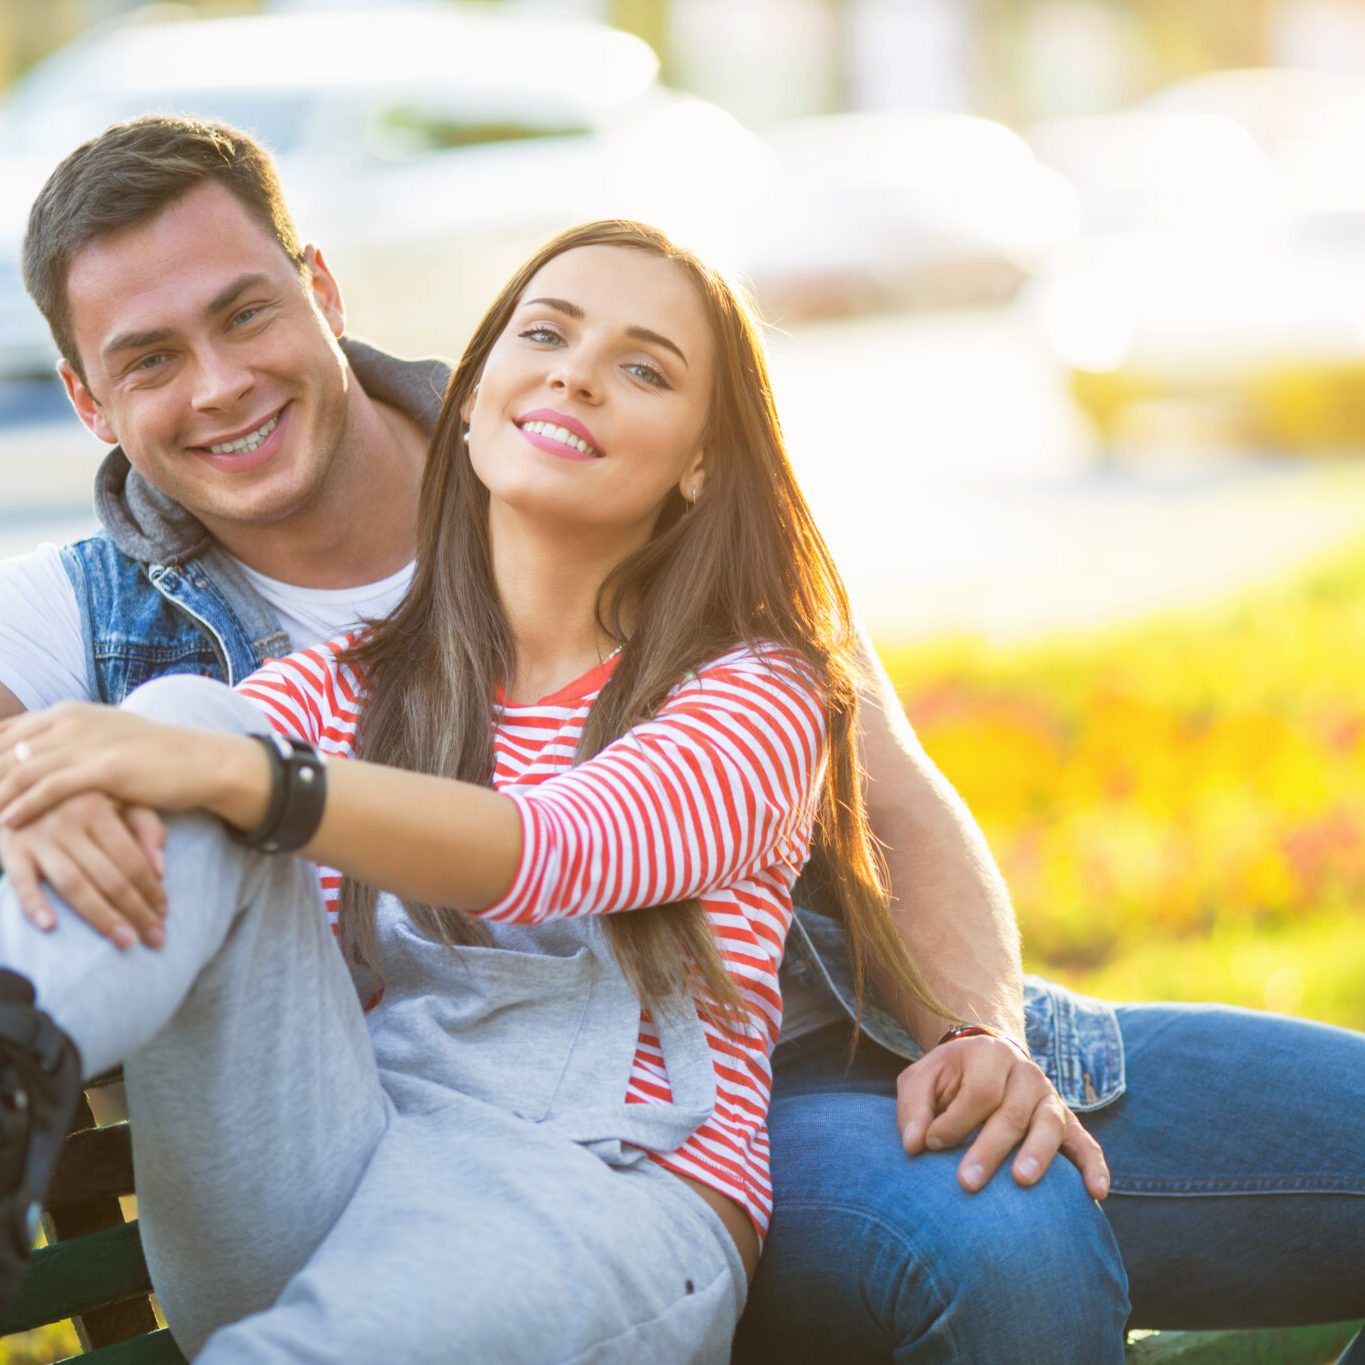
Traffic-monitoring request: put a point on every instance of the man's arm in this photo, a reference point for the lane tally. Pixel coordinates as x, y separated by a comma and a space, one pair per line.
949, 900
953, 913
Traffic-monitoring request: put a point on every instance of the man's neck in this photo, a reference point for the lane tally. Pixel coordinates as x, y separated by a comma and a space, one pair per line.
362, 525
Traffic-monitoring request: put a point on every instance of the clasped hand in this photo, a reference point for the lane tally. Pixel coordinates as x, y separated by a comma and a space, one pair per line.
985, 1083
80, 787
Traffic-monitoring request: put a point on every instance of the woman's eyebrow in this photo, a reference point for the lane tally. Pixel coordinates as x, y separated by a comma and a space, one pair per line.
572, 310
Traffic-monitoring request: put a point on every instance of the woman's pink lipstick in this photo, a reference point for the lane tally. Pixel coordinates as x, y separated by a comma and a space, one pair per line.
556, 432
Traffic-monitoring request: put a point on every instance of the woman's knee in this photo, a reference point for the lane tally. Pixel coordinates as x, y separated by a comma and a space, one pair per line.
205, 704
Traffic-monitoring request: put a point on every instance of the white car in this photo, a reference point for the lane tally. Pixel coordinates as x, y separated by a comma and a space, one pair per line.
1205, 299
428, 150
905, 208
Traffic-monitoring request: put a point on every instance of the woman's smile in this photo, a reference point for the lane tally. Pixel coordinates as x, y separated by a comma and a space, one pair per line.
559, 434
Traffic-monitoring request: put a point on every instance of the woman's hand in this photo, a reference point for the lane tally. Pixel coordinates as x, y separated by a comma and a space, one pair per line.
985, 1082
104, 860
46, 757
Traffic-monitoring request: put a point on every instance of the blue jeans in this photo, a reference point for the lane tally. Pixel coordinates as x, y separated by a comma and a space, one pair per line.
1238, 1163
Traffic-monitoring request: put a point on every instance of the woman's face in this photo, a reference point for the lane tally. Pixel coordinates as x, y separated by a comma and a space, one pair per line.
593, 402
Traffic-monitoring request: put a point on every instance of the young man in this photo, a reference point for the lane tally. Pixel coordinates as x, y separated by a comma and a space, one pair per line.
262, 494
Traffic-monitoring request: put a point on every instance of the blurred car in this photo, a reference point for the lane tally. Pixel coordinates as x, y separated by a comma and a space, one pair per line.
1258, 342
427, 149
1144, 170
875, 210
1202, 300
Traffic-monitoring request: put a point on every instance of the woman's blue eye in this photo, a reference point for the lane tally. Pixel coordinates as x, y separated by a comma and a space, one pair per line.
541, 334
648, 373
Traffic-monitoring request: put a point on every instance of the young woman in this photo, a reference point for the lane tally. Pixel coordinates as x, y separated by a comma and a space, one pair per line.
570, 785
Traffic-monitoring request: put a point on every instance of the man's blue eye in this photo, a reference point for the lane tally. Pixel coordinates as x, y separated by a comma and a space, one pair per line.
246, 314
149, 362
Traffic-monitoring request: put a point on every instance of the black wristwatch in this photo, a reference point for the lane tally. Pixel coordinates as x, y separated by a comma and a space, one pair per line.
298, 794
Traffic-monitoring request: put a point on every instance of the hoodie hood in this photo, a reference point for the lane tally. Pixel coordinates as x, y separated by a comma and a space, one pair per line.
153, 528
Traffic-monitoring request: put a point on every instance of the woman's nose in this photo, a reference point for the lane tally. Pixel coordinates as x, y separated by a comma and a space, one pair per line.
576, 377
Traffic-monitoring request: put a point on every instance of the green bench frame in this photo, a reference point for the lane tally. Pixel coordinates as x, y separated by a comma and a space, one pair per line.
93, 1271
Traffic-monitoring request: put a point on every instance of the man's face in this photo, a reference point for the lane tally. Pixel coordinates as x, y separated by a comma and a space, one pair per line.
211, 360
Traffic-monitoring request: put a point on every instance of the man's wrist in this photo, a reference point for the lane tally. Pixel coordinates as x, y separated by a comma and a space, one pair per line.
984, 1031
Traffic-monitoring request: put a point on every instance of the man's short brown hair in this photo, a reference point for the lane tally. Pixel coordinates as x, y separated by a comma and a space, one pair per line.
125, 177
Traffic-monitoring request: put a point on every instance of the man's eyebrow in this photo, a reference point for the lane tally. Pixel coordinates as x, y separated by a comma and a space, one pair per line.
572, 310
232, 291
134, 341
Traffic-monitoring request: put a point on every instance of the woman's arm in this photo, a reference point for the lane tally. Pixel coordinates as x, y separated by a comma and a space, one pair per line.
423, 837
721, 780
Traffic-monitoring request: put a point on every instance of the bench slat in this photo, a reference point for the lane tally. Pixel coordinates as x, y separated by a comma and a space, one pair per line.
94, 1164
73, 1277
1315, 1345
157, 1348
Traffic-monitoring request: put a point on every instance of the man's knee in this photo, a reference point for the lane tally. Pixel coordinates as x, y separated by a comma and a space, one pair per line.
917, 1266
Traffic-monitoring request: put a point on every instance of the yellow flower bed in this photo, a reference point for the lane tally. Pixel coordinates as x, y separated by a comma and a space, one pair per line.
1181, 790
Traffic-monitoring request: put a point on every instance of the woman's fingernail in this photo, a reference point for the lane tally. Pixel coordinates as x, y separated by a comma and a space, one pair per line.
155, 937
974, 1176
909, 1132
123, 936
45, 920
934, 1144
1028, 1167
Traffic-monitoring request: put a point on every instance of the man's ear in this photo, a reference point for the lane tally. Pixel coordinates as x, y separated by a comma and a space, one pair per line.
87, 408
326, 291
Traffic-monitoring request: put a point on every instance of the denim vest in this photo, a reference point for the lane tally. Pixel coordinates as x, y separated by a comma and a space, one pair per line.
156, 593
1074, 1038
142, 621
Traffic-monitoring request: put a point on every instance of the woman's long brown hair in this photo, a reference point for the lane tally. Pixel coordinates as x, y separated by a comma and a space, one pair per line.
745, 565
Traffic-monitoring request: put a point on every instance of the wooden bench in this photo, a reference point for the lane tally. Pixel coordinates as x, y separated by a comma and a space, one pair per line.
93, 1272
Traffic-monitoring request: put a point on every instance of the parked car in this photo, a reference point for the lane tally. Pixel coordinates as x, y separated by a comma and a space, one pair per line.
875, 210
1204, 297
428, 149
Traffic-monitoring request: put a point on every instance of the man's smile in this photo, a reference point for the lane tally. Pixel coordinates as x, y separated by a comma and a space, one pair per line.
251, 441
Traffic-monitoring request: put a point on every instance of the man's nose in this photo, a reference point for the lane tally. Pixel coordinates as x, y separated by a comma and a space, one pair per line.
221, 379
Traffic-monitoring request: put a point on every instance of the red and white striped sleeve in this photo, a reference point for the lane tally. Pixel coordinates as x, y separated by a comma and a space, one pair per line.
310, 695
723, 782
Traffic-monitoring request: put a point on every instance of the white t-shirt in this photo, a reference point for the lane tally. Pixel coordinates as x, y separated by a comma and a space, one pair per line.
42, 654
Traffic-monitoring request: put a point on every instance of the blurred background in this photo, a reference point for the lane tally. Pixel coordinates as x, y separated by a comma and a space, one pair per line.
1067, 322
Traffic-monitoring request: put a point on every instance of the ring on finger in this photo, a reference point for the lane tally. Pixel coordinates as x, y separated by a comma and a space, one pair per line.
23, 751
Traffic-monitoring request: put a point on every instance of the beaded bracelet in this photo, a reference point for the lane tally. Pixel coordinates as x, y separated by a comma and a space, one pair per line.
298, 794
982, 1031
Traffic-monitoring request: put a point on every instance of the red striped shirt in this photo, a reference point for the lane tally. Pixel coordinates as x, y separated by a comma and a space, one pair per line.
713, 798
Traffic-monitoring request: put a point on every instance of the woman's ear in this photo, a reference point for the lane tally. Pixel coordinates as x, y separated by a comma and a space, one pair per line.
467, 407
693, 479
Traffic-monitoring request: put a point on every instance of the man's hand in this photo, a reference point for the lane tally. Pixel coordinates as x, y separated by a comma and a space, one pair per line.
104, 860
984, 1082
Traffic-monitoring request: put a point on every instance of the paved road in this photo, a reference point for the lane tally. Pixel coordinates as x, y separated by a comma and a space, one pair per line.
952, 477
